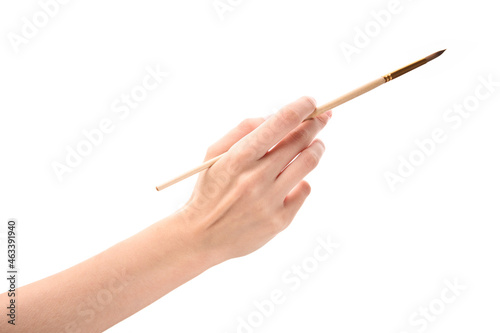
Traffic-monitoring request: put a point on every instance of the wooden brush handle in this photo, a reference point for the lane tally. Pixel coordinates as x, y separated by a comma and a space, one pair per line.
328, 106
347, 97
189, 173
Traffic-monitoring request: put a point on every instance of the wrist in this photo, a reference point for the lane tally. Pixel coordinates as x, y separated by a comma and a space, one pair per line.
185, 230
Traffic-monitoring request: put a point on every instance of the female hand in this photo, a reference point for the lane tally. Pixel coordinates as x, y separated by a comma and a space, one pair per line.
253, 192
240, 203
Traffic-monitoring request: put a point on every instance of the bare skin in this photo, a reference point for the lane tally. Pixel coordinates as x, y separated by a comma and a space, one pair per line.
245, 199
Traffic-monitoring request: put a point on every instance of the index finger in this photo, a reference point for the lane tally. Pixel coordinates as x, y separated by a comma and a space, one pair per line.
257, 143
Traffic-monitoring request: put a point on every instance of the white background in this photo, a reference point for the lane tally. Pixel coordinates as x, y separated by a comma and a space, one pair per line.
397, 247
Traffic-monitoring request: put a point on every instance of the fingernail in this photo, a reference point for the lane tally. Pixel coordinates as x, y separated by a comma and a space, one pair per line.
329, 113
268, 116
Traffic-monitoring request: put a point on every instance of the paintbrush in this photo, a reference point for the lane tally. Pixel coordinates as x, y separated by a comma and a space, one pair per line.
328, 106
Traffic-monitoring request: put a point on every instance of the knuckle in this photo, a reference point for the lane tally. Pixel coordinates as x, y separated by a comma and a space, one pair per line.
294, 113
309, 101
210, 151
322, 120
311, 159
299, 135
290, 115
246, 186
322, 144
243, 153
233, 163
250, 184
245, 124
243, 188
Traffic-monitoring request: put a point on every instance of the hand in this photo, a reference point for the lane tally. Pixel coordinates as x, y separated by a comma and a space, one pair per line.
253, 192
247, 197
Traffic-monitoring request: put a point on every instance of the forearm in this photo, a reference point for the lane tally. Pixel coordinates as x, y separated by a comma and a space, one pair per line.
107, 288
241, 202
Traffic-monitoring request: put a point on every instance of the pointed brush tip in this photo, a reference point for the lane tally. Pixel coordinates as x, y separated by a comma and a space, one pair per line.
435, 55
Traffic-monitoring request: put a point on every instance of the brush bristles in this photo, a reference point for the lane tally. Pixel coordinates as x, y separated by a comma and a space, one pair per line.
434, 55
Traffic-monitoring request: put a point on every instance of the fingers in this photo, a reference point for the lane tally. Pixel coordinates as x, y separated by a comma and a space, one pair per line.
295, 199
300, 167
256, 144
233, 136
292, 144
